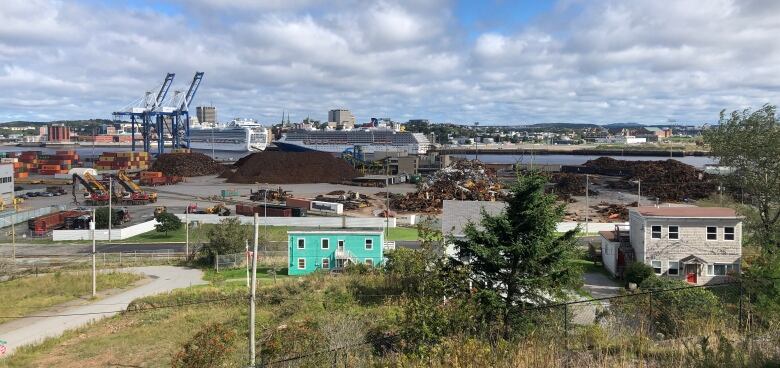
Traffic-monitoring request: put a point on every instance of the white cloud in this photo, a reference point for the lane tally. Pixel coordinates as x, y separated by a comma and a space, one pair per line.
594, 61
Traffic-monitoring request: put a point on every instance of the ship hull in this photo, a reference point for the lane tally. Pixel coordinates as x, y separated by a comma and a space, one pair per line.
339, 148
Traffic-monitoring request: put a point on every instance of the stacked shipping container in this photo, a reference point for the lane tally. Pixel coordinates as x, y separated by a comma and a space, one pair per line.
43, 224
123, 161
35, 162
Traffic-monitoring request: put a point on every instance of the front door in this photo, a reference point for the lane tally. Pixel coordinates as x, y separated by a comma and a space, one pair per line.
341, 246
691, 273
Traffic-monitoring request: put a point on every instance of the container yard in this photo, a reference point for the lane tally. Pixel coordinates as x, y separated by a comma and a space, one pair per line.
33, 162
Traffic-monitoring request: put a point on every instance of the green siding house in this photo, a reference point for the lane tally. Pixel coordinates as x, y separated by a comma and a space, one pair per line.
311, 250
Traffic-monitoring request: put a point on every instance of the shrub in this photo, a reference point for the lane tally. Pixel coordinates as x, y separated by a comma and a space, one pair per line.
681, 312
208, 348
638, 272
167, 222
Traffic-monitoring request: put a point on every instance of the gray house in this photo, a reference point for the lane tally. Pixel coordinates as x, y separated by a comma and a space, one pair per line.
696, 244
457, 214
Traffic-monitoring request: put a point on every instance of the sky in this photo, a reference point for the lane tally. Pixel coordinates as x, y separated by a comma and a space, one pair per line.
492, 61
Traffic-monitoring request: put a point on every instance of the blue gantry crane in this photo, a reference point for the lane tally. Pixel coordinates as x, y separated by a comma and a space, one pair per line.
153, 109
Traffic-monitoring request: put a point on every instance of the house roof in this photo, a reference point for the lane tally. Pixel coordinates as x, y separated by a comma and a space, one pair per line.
693, 259
456, 214
312, 230
710, 212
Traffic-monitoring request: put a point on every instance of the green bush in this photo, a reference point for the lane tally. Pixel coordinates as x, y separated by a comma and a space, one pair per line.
638, 272
684, 312
167, 222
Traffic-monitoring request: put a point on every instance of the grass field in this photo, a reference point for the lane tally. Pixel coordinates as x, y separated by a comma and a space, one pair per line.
29, 294
239, 275
402, 233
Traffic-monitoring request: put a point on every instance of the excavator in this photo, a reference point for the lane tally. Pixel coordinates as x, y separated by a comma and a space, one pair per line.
134, 194
218, 209
96, 195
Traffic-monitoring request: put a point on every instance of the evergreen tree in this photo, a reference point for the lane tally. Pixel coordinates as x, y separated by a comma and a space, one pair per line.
517, 258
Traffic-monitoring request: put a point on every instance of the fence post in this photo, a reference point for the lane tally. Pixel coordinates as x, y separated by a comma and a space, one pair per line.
741, 290
216, 261
135, 257
120, 258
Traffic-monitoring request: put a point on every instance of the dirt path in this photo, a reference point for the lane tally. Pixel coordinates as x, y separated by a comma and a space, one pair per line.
34, 329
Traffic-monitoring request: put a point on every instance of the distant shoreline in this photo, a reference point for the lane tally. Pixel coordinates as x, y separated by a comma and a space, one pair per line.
573, 150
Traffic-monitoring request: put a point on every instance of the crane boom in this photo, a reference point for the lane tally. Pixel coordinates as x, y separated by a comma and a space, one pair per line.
163, 91
185, 104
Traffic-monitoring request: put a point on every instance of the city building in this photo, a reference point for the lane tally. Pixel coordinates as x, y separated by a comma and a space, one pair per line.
6, 183
320, 249
696, 244
58, 133
342, 117
206, 114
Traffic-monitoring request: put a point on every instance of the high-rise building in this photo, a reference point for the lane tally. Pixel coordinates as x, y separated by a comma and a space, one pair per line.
58, 133
207, 114
342, 118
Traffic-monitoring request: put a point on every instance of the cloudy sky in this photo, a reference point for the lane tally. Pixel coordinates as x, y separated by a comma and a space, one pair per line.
492, 61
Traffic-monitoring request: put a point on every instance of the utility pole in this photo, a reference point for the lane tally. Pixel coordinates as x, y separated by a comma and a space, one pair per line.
13, 230
587, 201
110, 198
94, 270
246, 254
187, 235
638, 192
252, 299
476, 147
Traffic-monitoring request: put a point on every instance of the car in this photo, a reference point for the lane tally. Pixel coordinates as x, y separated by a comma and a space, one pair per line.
47, 194
32, 194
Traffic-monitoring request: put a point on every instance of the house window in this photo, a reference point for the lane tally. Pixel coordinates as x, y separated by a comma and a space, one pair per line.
722, 269
369, 244
325, 243
655, 232
301, 263
656, 267
301, 243
674, 232
369, 262
674, 268
712, 233
728, 233
325, 263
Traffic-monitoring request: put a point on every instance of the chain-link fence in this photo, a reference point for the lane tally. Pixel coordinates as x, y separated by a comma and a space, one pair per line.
237, 260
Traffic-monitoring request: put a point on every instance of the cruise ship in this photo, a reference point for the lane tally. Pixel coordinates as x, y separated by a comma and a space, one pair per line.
238, 135
338, 141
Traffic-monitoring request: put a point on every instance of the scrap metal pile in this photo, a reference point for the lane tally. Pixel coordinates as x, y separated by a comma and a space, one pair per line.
567, 185
668, 180
464, 180
186, 164
351, 200
613, 211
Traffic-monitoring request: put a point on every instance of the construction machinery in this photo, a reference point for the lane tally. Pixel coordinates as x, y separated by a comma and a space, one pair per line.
219, 209
96, 194
276, 195
134, 194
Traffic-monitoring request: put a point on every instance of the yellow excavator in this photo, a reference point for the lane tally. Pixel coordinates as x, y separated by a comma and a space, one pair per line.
136, 195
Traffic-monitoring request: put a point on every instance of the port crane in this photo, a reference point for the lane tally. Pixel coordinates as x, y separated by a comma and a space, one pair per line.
156, 107
135, 194
96, 195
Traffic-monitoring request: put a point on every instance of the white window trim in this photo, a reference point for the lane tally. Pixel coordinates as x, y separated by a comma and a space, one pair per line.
660, 232
323, 241
324, 262
728, 267
365, 243
369, 262
733, 233
707, 233
668, 232
660, 267
298, 243
669, 267
299, 263
341, 243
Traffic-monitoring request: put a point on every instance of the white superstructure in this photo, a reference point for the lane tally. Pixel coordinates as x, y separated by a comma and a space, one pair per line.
337, 141
238, 135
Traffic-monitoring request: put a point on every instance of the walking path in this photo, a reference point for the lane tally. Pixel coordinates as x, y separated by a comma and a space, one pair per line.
599, 286
31, 330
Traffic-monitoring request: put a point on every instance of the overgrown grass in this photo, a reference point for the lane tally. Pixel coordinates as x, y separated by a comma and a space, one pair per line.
29, 294
403, 234
316, 313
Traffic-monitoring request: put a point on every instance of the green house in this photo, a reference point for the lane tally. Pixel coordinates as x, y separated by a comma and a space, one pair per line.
311, 250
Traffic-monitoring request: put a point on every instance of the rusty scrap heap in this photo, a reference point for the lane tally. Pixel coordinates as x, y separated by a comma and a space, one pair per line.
464, 180
668, 180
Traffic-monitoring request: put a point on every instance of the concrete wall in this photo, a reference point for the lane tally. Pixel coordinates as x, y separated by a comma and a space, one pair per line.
102, 234
311, 221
